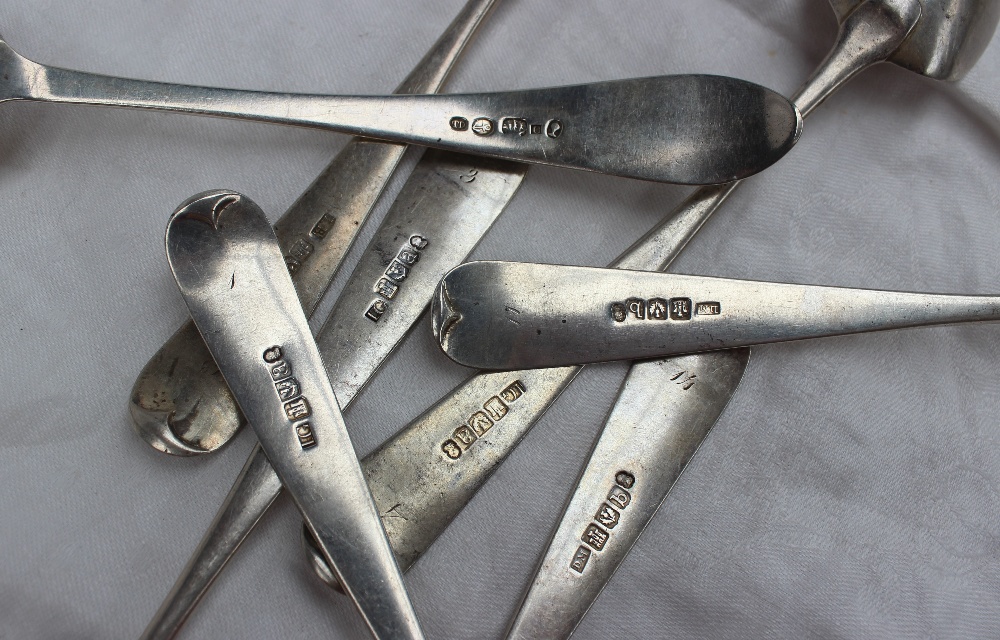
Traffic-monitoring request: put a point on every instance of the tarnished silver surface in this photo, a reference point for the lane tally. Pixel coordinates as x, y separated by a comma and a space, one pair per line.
570, 575
423, 476
686, 129
179, 403
948, 40
444, 209
516, 315
231, 274
620, 488
873, 34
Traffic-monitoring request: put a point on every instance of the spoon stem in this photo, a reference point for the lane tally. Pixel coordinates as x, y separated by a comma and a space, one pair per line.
685, 129
869, 35
501, 315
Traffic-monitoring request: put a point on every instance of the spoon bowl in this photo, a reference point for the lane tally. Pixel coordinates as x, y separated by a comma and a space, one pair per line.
949, 38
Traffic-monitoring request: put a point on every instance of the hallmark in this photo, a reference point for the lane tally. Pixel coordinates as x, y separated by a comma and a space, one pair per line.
680, 308
321, 228
514, 125
662, 309
508, 126
708, 309
598, 533
480, 422
483, 126
395, 273
290, 394
302, 248
297, 255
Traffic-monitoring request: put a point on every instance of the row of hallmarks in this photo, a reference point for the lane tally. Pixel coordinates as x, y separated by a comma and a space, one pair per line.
509, 126
395, 273
662, 308
304, 246
480, 422
290, 393
598, 532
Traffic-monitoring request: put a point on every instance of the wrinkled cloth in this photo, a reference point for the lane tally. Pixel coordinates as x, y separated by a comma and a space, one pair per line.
850, 490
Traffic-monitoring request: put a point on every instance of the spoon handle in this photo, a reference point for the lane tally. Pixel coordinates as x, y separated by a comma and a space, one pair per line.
413, 487
510, 315
315, 234
684, 129
671, 404
440, 209
230, 271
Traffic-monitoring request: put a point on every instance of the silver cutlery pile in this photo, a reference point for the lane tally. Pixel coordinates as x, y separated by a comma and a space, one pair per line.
846, 490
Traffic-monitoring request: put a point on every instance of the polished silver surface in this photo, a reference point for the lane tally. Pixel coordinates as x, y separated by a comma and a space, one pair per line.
229, 267
516, 315
570, 574
179, 404
444, 209
686, 129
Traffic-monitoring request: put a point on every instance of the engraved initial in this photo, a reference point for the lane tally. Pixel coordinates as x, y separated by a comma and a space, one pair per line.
395, 512
684, 379
511, 311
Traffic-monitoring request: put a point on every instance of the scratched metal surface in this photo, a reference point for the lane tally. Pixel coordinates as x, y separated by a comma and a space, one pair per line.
851, 489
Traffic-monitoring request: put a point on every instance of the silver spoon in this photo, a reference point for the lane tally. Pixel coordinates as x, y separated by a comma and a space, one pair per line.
431, 493
671, 404
442, 214
169, 396
516, 315
686, 129
227, 263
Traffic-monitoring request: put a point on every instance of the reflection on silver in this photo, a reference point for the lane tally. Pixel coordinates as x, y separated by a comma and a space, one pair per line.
179, 403
230, 271
684, 129
516, 315
559, 596
443, 210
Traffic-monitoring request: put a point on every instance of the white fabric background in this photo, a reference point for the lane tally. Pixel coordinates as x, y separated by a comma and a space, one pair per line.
851, 489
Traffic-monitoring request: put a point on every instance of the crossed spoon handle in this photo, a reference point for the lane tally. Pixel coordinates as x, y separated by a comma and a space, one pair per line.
511, 315
691, 129
168, 399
